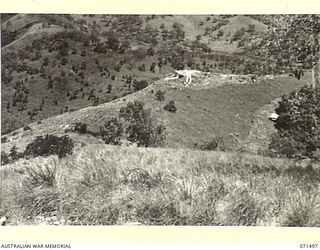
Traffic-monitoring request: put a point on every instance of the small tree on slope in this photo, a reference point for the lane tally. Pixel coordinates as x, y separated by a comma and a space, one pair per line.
112, 131
142, 128
49, 145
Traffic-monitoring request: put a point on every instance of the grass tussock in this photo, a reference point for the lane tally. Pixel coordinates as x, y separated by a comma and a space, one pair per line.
108, 185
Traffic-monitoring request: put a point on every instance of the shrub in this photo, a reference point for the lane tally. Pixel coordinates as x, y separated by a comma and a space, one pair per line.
220, 33
301, 212
251, 28
160, 95
26, 128
64, 61
242, 210
297, 126
14, 154
109, 88
138, 85
159, 213
40, 202
142, 128
286, 146
50, 145
45, 61
216, 143
112, 132
100, 48
81, 128
40, 176
140, 179
150, 51
142, 67
171, 107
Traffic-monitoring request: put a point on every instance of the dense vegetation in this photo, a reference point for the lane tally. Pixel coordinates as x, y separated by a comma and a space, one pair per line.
298, 125
41, 146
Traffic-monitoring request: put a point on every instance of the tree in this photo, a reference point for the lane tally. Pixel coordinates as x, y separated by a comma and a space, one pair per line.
64, 61
142, 67
220, 33
45, 61
50, 145
100, 48
113, 42
141, 127
171, 107
112, 132
83, 53
150, 51
152, 67
298, 131
4, 158
160, 95
109, 88
139, 85
8, 106
83, 65
177, 33
293, 41
125, 45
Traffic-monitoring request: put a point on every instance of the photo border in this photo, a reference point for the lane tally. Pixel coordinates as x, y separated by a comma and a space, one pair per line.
157, 235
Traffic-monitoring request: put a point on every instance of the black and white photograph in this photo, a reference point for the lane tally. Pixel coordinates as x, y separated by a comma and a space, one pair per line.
160, 120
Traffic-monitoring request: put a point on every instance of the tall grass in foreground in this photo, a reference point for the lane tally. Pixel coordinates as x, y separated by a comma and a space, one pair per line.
107, 185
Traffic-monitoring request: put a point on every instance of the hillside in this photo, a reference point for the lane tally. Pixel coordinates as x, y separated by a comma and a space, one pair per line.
212, 107
56, 63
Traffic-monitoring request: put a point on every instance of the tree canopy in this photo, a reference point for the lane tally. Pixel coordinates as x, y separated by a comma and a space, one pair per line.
292, 41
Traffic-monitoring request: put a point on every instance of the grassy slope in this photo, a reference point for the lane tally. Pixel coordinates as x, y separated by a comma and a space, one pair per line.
103, 184
225, 111
203, 111
34, 33
235, 23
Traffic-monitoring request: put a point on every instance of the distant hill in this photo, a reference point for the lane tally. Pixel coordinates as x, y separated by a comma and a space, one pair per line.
56, 63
